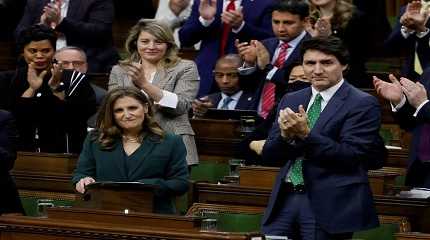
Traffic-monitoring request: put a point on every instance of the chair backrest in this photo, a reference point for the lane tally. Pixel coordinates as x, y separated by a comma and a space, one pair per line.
209, 172
389, 226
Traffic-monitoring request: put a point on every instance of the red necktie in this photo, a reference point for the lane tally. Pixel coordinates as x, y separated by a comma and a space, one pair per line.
268, 94
226, 28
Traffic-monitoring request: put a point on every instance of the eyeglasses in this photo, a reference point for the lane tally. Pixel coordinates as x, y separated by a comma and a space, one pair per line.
227, 74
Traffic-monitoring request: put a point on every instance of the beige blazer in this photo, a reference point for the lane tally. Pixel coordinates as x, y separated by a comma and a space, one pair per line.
183, 80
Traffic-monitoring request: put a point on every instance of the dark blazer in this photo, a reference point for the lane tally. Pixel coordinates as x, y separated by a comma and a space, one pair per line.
9, 202
257, 17
53, 118
246, 100
397, 45
88, 25
157, 161
341, 147
417, 173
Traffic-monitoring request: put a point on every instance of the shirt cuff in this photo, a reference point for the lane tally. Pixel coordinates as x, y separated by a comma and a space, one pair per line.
236, 30
419, 107
422, 34
246, 70
169, 100
205, 22
406, 32
271, 73
400, 105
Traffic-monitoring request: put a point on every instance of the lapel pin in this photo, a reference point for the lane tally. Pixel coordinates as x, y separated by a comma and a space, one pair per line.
250, 98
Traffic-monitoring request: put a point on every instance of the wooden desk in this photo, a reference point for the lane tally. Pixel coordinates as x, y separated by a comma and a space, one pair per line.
217, 140
71, 224
49, 172
417, 210
412, 236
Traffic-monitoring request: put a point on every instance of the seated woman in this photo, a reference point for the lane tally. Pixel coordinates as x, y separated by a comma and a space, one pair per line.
51, 108
154, 67
128, 145
340, 18
9, 202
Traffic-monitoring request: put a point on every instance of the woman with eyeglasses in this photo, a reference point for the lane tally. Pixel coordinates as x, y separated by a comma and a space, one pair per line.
51, 106
153, 67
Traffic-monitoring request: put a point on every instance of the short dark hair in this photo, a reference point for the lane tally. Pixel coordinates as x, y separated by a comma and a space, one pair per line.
38, 32
328, 45
296, 7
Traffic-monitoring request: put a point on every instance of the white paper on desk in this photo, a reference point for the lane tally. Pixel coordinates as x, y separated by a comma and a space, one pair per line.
393, 147
275, 237
422, 193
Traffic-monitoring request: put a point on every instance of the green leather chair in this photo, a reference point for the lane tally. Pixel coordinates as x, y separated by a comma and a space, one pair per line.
209, 172
239, 222
383, 232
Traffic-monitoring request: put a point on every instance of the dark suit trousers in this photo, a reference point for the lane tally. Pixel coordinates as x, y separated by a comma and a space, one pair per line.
296, 220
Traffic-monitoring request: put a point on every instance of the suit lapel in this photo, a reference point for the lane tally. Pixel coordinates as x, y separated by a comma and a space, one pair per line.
162, 77
295, 55
245, 101
73, 8
332, 106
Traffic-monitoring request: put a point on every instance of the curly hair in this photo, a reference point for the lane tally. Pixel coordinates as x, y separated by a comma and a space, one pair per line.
161, 32
108, 131
342, 13
37, 32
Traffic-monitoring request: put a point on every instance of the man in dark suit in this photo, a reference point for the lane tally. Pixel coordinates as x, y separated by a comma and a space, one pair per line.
328, 136
410, 37
269, 61
217, 24
231, 96
9, 202
86, 24
412, 109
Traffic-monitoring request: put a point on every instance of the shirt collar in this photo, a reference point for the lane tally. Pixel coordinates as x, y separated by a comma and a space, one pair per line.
293, 43
328, 93
235, 96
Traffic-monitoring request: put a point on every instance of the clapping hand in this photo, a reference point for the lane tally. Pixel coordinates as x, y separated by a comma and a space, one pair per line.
293, 124
414, 18
200, 106
392, 91
51, 15
177, 6
233, 18
322, 27
136, 72
34, 79
416, 93
56, 73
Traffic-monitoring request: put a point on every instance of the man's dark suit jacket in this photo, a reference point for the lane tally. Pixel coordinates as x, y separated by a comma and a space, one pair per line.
88, 25
257, 17
396, 44
341, 147
416, 173
246, 100
9, 202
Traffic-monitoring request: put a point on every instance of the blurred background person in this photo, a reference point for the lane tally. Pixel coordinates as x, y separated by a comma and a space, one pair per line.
217, 24
153, 66
51, 106
10, 201
85, 24
128, 145
174, 13
231, 96
340, 18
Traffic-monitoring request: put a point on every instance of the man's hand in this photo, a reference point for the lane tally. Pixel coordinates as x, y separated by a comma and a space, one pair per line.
257, 146
293, 124
200, 106
177, 6
80, 186
263, 55
246, 51
51, 15
415, 92
233, 18
207, 9
390, 91
414, 18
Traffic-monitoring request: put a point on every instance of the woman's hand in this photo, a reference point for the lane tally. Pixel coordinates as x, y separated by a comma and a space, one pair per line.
56, 72
80, 186
34, 80
136, 73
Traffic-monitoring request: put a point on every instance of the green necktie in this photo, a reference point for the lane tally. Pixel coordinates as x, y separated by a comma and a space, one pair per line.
296, 172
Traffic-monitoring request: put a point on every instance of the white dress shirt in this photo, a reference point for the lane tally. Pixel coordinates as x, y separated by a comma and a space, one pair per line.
232, 104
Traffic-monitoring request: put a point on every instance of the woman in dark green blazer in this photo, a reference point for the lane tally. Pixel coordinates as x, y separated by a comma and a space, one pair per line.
128, 145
